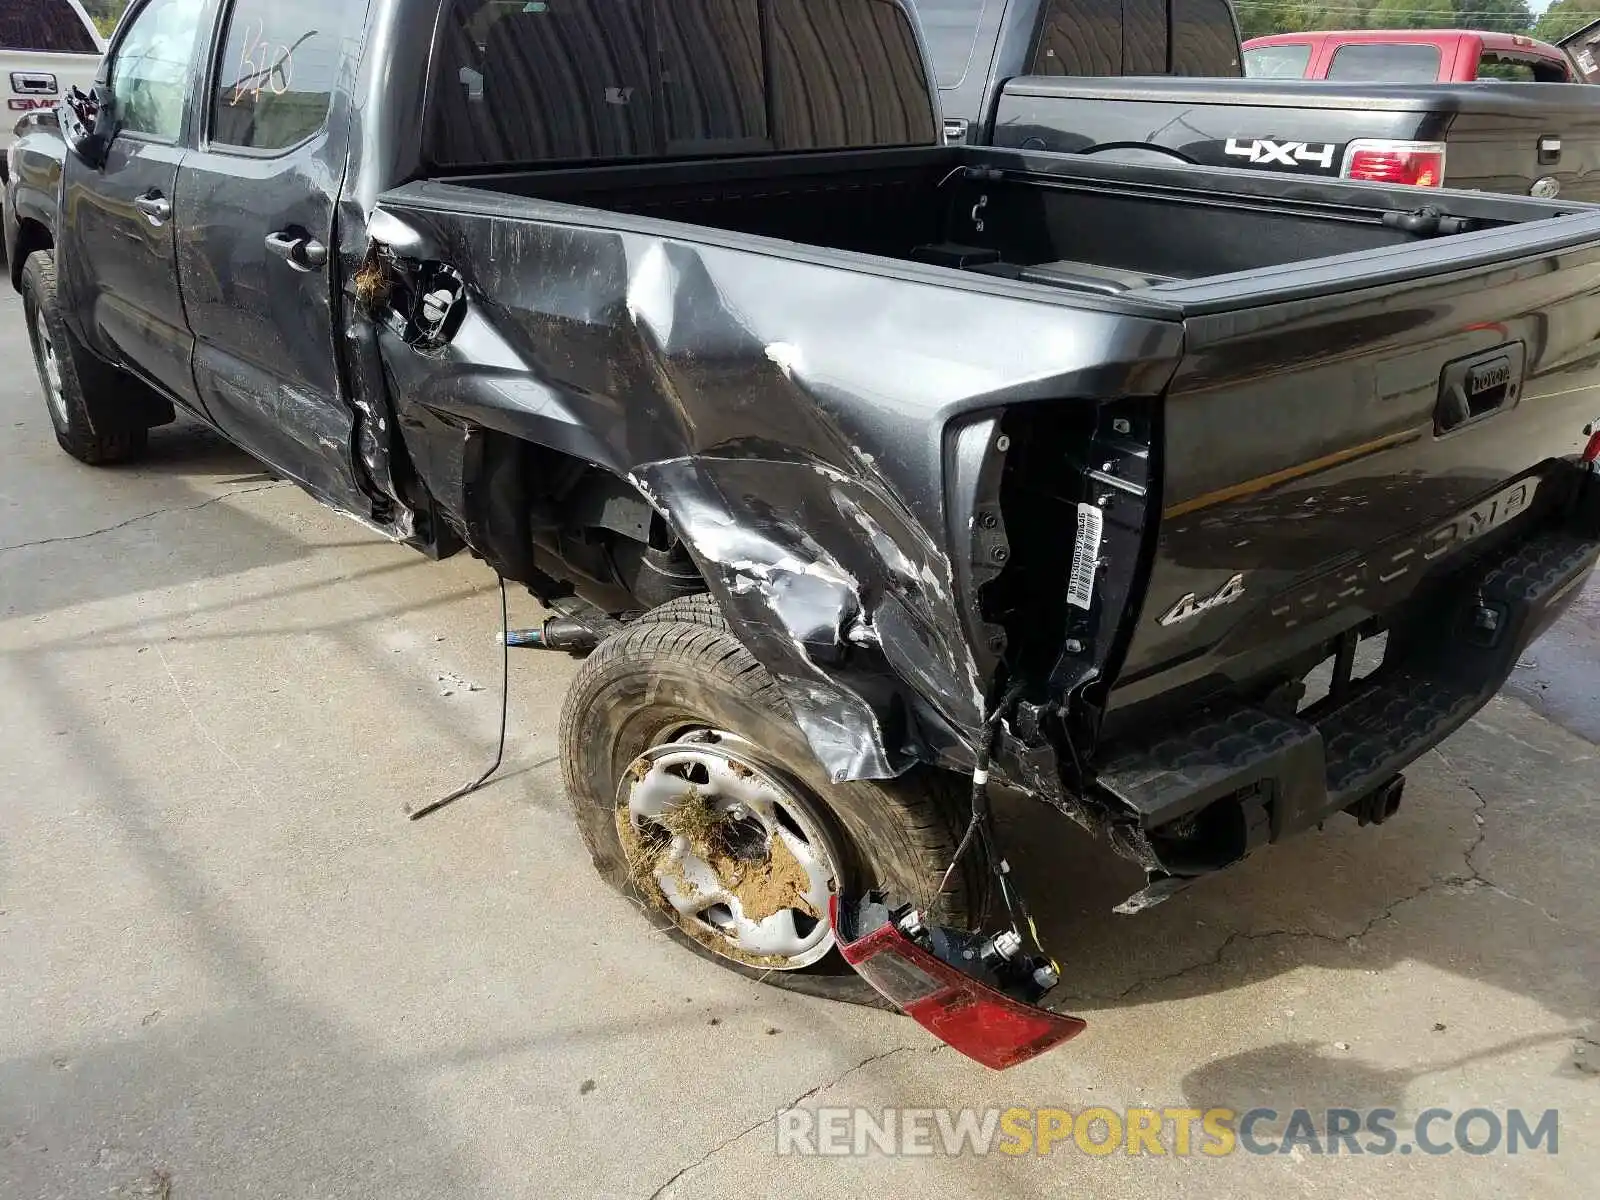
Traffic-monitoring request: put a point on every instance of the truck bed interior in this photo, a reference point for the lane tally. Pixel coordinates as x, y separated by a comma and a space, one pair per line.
1084, 225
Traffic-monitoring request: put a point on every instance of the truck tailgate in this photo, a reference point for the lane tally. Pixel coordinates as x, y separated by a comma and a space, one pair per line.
1342, 434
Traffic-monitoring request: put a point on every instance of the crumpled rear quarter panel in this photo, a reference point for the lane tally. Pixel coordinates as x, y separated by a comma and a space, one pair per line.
784, 408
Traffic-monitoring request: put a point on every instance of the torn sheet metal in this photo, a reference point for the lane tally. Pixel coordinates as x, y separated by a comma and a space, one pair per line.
787, 417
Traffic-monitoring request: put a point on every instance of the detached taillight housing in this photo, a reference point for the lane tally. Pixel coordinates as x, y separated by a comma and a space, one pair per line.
1380, 160
1591, 453
944, 981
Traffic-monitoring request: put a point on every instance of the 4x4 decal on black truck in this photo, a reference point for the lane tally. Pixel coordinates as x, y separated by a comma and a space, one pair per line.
1264, 152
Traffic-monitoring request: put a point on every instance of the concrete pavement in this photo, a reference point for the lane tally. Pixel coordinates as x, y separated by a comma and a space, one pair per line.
232, 969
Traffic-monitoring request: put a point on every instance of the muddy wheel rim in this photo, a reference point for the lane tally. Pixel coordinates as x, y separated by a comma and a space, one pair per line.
49, 368
733, 852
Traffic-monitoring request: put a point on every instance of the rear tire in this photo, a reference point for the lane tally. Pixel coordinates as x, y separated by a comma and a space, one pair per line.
67, 372
681, 667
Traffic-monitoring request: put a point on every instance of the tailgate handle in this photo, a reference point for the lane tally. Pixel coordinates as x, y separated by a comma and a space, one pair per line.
33, 83
1472, 389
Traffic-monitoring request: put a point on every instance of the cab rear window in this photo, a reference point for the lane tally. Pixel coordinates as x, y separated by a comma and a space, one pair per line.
1379, 62
44, 26
1520, 68
1136, 37
530, 81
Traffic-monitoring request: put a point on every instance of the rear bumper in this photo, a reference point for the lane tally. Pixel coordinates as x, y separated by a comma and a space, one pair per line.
1238, 775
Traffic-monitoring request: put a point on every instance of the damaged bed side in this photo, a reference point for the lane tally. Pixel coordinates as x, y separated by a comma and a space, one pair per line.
617, 417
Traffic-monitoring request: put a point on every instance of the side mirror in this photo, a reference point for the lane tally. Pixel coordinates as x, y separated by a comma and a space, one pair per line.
87, 125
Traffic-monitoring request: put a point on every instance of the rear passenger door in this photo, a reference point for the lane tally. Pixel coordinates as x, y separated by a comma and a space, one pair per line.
256, 261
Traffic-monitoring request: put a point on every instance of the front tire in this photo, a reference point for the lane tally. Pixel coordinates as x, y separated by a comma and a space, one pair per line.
66, 372
673, 695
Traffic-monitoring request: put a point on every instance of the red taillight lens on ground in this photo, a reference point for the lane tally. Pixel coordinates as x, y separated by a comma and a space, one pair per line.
960, 1010
1592, 453
1379, 160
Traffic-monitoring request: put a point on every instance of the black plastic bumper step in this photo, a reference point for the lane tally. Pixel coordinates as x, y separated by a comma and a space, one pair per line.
1308, 769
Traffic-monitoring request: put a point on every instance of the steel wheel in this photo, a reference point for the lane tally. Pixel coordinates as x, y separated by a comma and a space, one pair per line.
674, 709
732, 851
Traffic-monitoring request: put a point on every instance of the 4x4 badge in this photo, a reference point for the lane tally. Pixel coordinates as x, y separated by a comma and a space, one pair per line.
1192, 606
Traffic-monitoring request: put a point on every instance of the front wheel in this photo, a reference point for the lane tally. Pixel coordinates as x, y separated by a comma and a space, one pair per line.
697, 795
65, 371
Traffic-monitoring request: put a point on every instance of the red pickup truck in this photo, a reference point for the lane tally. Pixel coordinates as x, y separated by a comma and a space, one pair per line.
1408, 56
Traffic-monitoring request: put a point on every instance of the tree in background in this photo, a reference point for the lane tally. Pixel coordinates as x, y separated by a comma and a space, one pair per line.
106, 13
1409, 14
1496, 16
1564, 17
1257, 17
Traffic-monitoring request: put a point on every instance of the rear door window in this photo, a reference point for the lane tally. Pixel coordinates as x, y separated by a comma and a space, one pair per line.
45, 26
1379, 62
276, 75
1278, 62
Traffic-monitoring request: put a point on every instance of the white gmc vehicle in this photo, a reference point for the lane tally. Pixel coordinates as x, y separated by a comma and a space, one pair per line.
46, 48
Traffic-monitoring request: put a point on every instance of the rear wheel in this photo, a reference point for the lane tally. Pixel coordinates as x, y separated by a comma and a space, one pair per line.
697, 795
66, 372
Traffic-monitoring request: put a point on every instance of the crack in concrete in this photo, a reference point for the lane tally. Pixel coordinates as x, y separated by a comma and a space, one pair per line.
660, 1192
1473, 875
160, 512
1240, 935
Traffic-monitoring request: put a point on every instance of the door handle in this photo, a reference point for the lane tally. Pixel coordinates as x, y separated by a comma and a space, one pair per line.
300, 251
156, 207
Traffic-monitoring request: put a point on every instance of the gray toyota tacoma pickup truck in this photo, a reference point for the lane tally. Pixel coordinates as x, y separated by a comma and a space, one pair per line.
875, 471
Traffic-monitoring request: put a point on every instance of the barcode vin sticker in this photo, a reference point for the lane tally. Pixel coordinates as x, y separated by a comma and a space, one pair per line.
1086, 556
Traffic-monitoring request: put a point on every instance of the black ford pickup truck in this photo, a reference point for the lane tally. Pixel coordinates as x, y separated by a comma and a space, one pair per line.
1049, 75
879, 469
